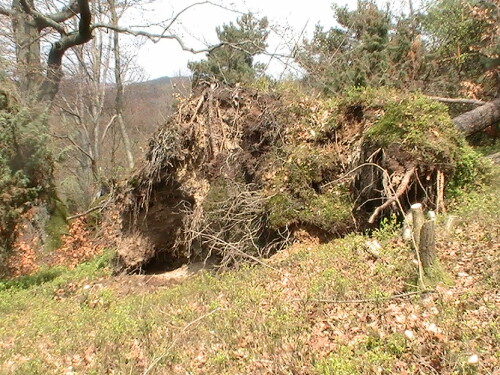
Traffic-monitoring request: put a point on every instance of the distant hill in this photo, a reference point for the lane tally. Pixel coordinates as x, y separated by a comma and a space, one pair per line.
161, 81
77, 113
148, 103
154, 97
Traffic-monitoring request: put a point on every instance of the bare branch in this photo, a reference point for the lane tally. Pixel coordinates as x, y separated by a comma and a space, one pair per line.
107, 127
72, 9
43, 21
176, 17
6, 12
90, 210
83, 35
25, 6
73, 142
154, 37
457, 100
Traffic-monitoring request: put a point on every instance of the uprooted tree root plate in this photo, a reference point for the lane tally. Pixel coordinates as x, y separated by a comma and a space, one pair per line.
235, 173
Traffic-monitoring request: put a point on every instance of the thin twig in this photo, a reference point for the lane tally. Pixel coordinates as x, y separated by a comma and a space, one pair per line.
73, 142
198, 106
87, 212
368, 300
240, 252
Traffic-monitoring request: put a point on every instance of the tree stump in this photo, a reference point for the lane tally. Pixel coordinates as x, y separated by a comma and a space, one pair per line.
423, 232
418, 221
427, 245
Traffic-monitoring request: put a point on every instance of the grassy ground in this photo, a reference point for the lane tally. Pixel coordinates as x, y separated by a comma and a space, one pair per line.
314, 309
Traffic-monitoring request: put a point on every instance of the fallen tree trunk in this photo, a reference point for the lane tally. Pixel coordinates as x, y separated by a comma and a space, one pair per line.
457, 100
479, 118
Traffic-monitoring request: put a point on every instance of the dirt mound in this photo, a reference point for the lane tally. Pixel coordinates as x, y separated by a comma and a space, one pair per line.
234, 173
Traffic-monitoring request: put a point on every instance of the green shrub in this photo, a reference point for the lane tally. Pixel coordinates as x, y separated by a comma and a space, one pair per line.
470, 170
26, 168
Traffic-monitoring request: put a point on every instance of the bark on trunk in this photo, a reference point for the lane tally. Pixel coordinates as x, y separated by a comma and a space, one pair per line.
28, 24
81, 36
119, 104
479, 118
126, 142
27, 39
427, 246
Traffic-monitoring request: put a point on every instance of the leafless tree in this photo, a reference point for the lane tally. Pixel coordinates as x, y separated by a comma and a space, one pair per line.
119, 104
35, 23
30, 23
39, 33
84, 117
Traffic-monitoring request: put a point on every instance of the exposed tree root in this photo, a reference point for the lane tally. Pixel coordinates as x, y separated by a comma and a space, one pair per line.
402, 188
234, 169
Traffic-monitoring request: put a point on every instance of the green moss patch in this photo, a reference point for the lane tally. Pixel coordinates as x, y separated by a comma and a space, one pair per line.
420, 127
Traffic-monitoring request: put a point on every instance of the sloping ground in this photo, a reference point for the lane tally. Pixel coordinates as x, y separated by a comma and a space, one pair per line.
312, 309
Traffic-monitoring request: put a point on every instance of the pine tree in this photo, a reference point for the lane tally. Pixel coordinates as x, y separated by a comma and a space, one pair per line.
351, 54
232, 61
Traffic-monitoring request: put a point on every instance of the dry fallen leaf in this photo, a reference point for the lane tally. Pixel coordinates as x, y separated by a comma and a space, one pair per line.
473, 359
409, 334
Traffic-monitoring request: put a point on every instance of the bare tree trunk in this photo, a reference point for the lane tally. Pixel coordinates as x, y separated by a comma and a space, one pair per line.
479, 118
126, 142
119, 88
27, 40
54, 74
28, 25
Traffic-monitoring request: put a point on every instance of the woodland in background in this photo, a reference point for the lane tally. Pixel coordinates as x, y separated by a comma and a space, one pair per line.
450, 49
89, 128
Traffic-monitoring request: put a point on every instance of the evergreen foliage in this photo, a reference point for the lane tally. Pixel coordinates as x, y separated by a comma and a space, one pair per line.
26, 166
463, 46
233, 61
450, 49
355, 53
